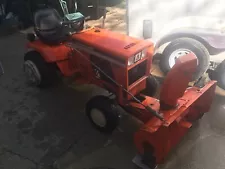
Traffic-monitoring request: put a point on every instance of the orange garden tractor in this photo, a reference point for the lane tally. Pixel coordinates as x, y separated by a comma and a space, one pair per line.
121, 65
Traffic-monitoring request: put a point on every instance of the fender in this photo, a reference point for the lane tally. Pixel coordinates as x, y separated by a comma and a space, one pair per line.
213, 40
54, 53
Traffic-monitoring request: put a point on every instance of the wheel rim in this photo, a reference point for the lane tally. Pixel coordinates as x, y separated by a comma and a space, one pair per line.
98, 117
32, 73
176, 54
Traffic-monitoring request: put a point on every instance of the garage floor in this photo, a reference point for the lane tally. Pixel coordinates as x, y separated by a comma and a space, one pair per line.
39, 128
202, 148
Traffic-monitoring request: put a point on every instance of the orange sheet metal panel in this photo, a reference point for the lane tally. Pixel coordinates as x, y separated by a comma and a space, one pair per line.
116, 44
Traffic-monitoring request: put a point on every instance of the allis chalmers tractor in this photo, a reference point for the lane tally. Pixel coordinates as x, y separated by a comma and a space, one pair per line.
121, 65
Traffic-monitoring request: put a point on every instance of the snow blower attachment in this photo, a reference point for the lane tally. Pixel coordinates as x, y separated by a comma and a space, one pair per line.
180, 106
120, 64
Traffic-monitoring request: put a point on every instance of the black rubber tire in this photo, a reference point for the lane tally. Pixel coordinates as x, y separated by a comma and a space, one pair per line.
151, 86
193, 45
220, 75
47, 70
108, 108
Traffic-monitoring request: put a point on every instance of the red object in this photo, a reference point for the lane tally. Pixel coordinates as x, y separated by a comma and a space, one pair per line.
177, 80
180, 106
111, 51
164, 136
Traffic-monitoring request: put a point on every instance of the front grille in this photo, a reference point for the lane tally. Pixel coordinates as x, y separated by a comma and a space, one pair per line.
137, 72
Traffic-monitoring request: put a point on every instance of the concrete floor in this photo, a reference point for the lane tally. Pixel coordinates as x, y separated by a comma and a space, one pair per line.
39, 128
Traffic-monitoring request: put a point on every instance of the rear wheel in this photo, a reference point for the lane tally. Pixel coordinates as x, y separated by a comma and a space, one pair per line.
181, 47
102, 113
37, 71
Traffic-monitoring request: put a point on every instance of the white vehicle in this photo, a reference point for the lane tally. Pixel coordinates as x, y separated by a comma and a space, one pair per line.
179, 27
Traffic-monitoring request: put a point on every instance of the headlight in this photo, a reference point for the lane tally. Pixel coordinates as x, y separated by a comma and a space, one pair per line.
132, 60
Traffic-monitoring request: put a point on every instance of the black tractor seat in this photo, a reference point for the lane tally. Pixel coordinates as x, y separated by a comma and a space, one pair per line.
50, 28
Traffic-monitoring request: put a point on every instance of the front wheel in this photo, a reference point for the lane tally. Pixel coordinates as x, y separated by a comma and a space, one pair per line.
102, 113
181, 47
151, 86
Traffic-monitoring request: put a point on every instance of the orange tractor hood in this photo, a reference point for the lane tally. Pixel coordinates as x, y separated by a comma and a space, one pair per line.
118, 45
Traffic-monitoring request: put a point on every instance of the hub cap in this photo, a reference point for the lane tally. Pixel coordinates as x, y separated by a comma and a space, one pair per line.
98, 117
32, 73
176, 54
